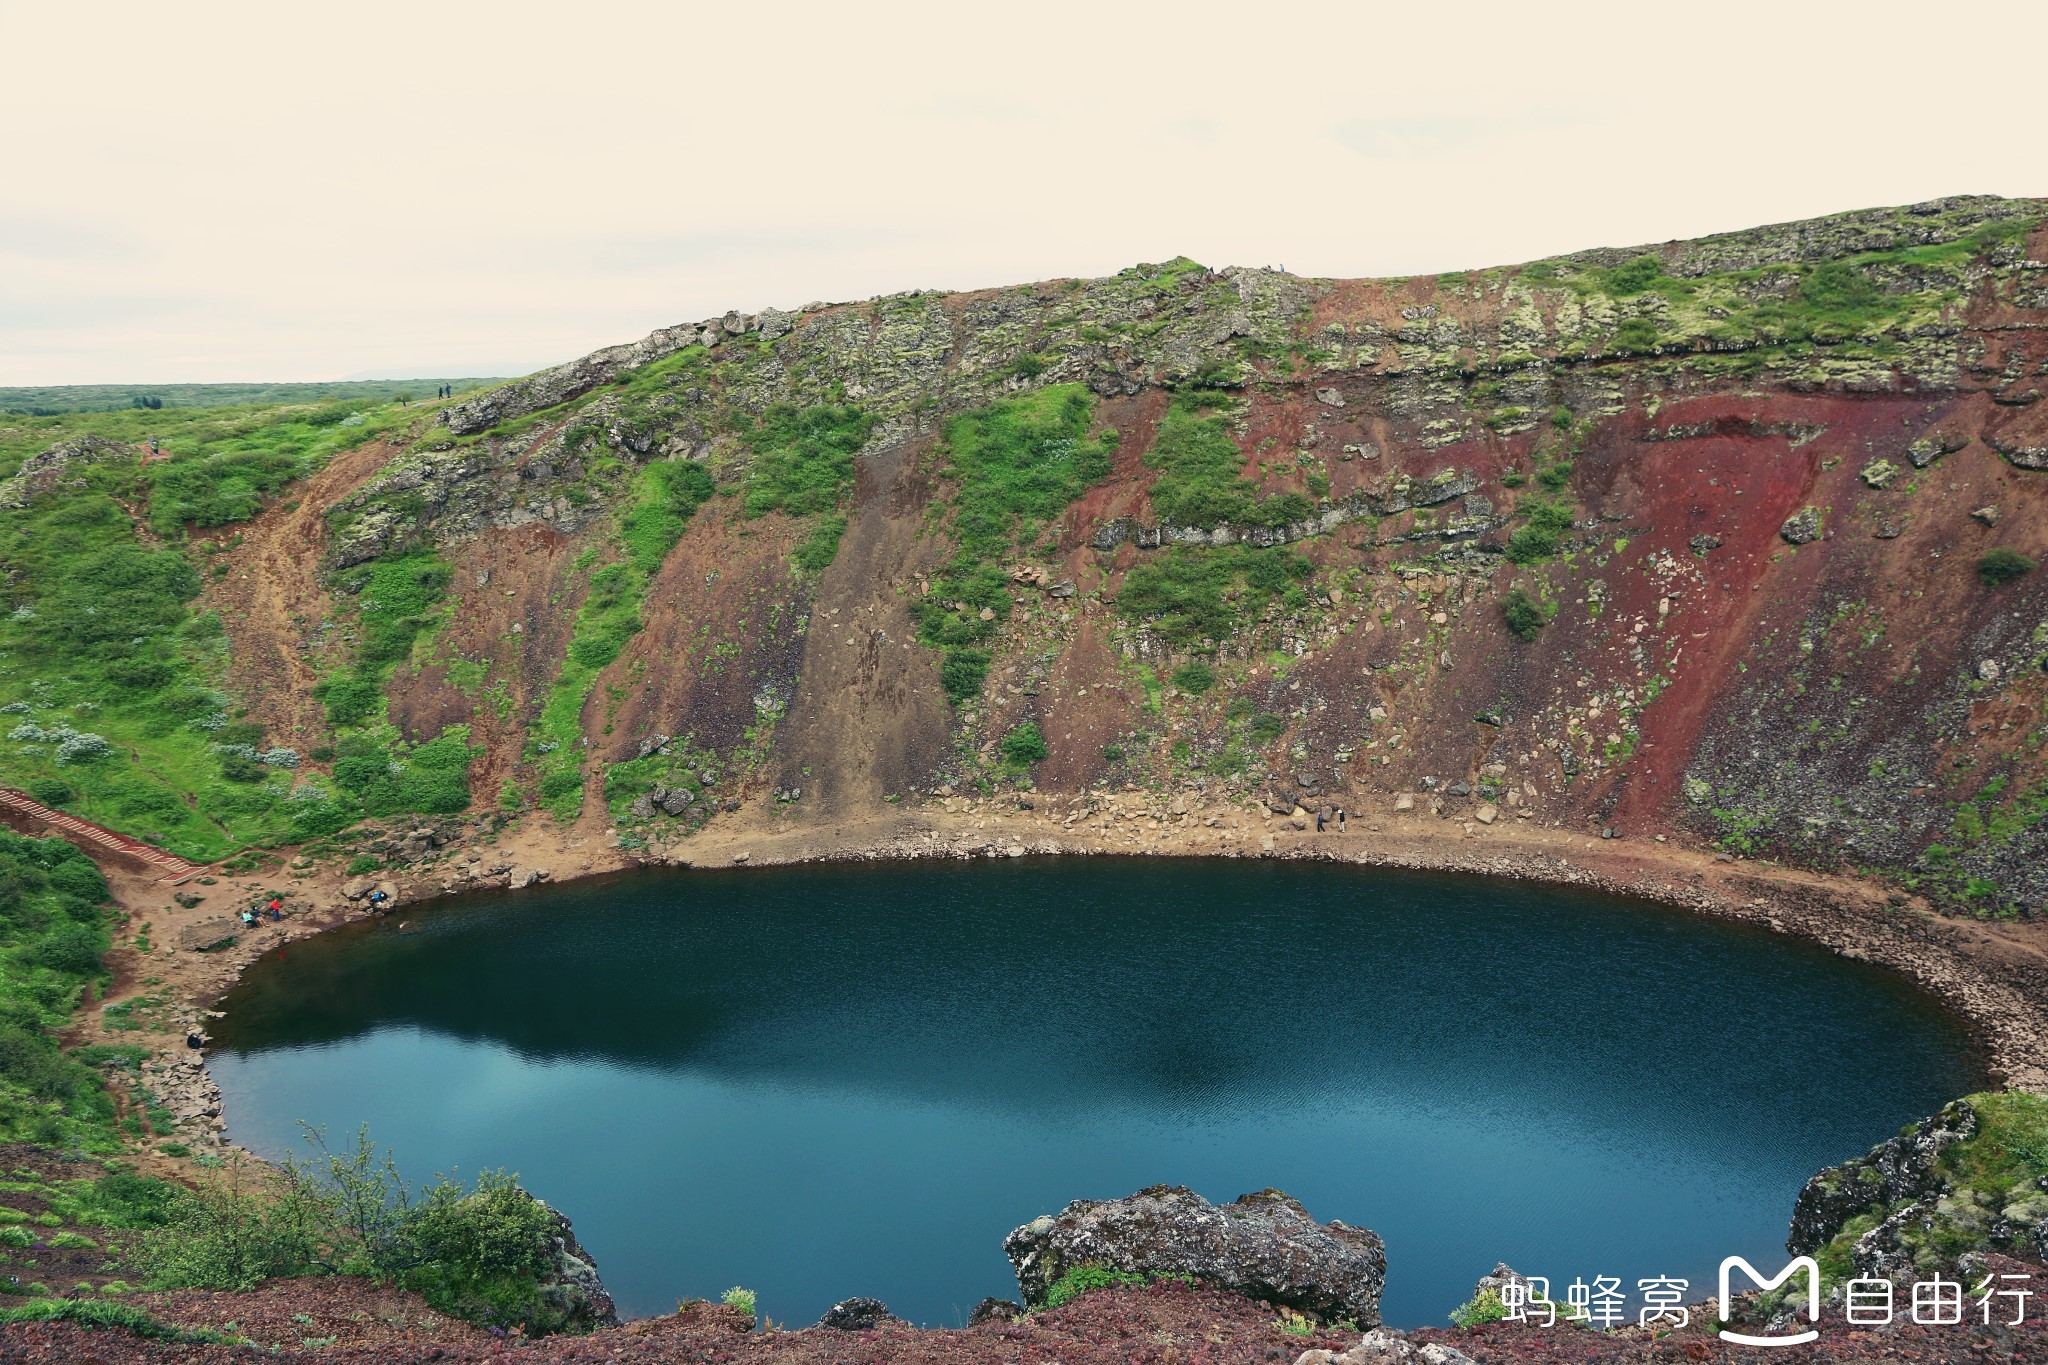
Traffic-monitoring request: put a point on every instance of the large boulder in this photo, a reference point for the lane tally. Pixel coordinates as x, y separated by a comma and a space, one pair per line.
1264, 1246
1802, 527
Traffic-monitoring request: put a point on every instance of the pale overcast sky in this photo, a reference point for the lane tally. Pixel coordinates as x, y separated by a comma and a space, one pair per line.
232, 190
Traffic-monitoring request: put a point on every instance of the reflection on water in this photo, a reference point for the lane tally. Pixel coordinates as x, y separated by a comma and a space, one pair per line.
822, 1083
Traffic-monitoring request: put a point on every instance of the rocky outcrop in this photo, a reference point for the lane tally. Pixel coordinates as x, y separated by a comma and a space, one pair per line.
1906, 1167
560, 383
1395, 495
993, 1309
47, 469
1264, 1246
1382, 1346
858, 1315
572, 1290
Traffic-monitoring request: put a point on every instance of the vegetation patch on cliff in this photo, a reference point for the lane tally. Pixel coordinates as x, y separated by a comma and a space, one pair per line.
1015, 466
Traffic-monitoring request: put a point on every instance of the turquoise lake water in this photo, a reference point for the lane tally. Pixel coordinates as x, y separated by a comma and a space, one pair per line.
823, 1082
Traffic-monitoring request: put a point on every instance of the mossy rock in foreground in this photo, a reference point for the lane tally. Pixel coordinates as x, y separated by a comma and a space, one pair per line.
1970, 1179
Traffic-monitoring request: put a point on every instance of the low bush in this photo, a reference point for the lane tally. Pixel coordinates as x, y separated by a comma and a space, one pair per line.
1524, 615
1480, 1309
50, 792
1023, 746
483, 1254
1080, 1279
962, 673
2000, 566
1194, 678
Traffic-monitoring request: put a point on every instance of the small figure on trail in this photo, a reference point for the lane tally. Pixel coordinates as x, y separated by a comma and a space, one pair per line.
248, 919
275, 909
376, 898
1340, 819
1319, 822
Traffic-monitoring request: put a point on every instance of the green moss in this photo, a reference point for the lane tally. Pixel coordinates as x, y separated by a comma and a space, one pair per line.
1191, 594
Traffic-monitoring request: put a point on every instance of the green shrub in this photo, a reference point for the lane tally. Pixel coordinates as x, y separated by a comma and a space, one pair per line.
962, 673
740, 1298
349, 700
1544, 533
821, 547
72, 949
1633, 277
1480, 1309
236, 1230
1639, 336
1023, 746
48, 791
1524, 614
430, 778
1194, 678
494, 1230
2000, 566
363, 863
1266, 727
480, 1254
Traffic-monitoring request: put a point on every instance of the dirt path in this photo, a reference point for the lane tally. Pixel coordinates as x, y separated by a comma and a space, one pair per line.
271, 596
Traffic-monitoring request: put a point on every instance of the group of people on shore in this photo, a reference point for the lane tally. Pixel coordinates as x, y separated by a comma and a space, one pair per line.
254, 915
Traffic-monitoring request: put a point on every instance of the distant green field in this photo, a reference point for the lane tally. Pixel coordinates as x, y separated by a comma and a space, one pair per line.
53, 400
